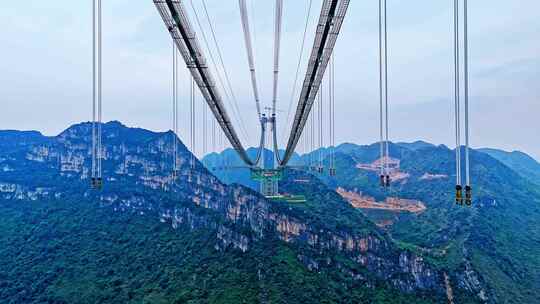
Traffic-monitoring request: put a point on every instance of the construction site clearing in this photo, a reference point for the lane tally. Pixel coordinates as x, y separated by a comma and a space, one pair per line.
360, 201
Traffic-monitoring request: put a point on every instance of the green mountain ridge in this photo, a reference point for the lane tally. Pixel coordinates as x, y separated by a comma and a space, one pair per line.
523, 164
498, 236
145, 238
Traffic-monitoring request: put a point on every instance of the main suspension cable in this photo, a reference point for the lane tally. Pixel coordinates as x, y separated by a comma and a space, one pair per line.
330, 22
249, 49
256, 49
277, 44
228, 95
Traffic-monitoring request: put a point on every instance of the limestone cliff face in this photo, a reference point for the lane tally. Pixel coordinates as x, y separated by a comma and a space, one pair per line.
137, 166
403, 270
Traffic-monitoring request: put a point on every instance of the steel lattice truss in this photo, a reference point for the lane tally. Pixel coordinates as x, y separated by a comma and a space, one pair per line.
177, 22
330, 22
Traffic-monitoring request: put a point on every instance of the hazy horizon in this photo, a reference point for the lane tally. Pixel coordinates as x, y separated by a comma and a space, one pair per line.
299, 152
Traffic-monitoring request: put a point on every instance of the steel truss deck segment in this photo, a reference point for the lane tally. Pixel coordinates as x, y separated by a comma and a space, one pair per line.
328, 28
177, 22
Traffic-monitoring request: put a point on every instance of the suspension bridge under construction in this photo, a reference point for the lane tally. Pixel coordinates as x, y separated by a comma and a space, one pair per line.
305, 123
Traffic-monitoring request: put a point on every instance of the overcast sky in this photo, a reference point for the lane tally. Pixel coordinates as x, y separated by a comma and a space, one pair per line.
46, 67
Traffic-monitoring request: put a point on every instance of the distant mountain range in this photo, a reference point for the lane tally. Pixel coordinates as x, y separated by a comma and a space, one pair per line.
520, 162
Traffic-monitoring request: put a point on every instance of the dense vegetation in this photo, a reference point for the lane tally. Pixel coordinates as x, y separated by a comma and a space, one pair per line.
499, 236
65, 245
74, 250
80, 252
